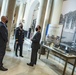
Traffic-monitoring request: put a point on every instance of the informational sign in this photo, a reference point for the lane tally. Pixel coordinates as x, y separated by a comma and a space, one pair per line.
54, 33
55, 30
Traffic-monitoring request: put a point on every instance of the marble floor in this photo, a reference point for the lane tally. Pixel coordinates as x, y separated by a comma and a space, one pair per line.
18, 65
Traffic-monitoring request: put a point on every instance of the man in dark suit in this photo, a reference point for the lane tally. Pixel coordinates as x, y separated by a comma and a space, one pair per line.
3, 40
35, 46
19, 39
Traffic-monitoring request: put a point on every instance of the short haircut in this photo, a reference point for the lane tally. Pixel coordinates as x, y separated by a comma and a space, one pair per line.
39, 26
3, 17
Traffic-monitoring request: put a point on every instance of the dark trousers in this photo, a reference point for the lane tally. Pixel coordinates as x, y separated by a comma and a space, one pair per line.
34, 56
17, 46
2, 53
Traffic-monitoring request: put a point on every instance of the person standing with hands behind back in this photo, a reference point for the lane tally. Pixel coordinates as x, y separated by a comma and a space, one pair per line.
19, 39
35, 46
3, 40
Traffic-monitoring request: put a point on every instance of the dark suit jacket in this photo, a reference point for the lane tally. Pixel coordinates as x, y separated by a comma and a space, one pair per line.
3, 35
36, 40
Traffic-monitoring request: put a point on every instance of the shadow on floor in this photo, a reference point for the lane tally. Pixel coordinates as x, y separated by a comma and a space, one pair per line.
54, 66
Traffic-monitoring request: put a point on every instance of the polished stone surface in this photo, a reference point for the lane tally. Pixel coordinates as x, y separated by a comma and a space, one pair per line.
18, 65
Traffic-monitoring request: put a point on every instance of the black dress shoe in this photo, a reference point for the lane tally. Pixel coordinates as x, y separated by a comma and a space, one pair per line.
30, 64
3, 69
35, 64
21, 56
16, 55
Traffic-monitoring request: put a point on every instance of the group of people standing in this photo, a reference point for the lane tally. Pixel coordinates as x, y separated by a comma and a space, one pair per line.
19, 40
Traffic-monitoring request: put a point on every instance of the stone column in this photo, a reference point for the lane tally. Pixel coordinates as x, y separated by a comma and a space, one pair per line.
24, 11
16, 14
53, 9
46, 19
4, 7
41, 13
14, 21
10, 14
56, 12
0, 10
20, 14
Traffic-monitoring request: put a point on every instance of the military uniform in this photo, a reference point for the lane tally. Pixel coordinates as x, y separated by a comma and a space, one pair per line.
19, 37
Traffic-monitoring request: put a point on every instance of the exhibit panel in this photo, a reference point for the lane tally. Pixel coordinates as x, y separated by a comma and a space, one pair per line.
53, 33
68, 20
